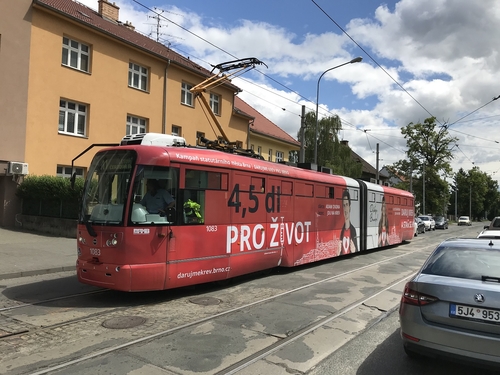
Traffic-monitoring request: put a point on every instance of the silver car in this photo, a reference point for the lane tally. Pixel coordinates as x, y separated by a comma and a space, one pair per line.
451, 307
429, 222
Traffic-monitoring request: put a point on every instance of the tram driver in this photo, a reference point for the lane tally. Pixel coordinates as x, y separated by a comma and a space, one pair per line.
157, 200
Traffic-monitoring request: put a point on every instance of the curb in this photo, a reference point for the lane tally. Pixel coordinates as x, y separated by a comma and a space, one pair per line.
19, 274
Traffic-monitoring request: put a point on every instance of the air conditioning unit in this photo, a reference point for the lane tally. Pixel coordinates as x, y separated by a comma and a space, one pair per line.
18, 168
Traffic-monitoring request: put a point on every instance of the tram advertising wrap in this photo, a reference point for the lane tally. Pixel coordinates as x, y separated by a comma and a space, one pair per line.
160, 217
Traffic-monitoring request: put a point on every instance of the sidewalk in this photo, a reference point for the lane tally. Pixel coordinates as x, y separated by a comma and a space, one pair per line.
27, 254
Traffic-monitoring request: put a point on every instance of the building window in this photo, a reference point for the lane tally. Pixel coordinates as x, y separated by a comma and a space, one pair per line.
75, 54
279, 156
137, 76
136, 125
270, 155
64, 171
259, 150
176, 130
72, 118
186, 95
215, 103
252, 147
199, 136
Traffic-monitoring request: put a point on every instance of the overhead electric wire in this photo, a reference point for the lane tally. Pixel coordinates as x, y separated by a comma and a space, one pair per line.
458, 147
371, 58
297, 93
484, 105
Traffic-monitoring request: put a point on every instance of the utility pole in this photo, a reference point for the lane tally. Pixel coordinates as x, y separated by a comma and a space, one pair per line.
411, 176
377, 176
470, 202
423, 190
302, 126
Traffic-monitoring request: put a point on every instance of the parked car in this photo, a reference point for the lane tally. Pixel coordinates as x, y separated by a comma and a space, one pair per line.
441, 222
490, 233
464, 220
429, 222
495, 223
451, 307
419, 226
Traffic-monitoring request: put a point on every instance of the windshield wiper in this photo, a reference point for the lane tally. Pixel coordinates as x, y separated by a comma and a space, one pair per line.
90, 228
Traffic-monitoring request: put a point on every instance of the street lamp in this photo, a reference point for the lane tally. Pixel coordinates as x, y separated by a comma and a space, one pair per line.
357, 59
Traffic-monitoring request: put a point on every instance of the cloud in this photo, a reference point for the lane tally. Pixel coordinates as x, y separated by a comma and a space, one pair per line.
420, 58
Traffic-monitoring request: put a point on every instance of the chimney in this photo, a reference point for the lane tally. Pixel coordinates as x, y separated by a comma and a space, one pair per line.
129, 25
345, 143
108, 10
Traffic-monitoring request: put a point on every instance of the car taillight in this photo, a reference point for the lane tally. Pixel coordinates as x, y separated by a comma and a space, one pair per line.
412, 297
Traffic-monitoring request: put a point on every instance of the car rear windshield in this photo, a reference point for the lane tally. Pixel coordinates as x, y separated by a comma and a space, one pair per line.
464, 263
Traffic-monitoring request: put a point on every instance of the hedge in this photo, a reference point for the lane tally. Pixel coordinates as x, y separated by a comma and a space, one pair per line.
50, 196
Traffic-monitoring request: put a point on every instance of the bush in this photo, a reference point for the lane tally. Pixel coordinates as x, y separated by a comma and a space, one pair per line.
50, 196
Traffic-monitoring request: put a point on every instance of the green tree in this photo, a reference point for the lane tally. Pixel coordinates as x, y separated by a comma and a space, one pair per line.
343, 164
478, 194
330, 152
328, 129
429, 153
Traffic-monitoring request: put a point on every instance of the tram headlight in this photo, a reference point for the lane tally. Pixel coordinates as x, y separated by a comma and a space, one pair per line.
114, 239
112, 242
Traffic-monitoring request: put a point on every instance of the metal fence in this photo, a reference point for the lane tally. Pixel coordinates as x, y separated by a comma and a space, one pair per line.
50, 208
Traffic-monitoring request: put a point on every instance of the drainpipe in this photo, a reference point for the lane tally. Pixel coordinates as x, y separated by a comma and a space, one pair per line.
250, 123
164, 109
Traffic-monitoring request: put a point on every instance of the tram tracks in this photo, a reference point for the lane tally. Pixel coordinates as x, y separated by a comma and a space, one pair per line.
159, 328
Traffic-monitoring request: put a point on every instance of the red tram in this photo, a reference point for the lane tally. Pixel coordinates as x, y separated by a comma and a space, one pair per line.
233, 215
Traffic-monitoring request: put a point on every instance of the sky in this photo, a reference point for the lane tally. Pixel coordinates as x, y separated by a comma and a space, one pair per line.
421, 58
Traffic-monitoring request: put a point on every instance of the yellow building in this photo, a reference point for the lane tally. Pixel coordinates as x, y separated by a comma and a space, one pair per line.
72, 76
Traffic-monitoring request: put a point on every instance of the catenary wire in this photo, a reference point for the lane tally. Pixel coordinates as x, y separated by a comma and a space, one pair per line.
293, 91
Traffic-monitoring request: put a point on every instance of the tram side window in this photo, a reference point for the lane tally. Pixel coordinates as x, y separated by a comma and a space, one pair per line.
205, 180
325, 192
152, 182
196, 182
259, 184
304, 190
286, 188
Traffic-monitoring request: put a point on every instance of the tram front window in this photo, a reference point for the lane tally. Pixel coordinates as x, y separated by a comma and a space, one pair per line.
154, 195
106, 187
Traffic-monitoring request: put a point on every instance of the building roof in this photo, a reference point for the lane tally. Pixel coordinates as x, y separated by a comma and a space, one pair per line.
261, 124
366, 167
124, 32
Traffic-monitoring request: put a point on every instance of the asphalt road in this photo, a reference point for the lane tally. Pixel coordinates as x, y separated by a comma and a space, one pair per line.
364, 340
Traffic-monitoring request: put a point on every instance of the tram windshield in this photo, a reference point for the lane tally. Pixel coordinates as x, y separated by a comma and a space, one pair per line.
110, 181
106, 187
